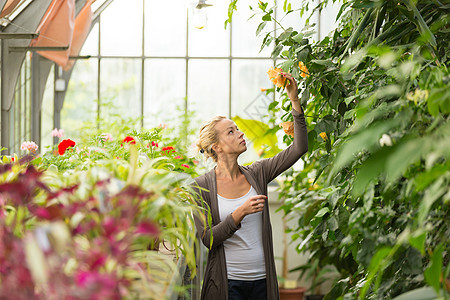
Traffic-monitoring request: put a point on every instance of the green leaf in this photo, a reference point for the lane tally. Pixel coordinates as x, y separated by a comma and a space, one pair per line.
327, 124
417, 240
322, 212
287, 65
424, 293
439, 100
277, 51
257, 132
260, 27
334, 99
298, 38
434, 271
403, 156
423, 27
287, 33
323, 62
354, 60
365, 140
425, 179
436, 190
267, 17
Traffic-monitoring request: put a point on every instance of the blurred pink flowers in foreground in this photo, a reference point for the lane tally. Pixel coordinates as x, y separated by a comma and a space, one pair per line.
58, 133
30, 146
107, 137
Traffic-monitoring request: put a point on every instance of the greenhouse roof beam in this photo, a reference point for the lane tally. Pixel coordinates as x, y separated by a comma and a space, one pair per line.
101, 9
18, 36
31, 48
11, 62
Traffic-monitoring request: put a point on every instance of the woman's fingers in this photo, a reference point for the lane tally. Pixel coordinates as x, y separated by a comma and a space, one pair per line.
257, 202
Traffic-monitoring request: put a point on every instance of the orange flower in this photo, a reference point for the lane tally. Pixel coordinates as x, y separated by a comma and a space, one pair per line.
263, 90
276, 77
260, 152
303, 69
288, 128
324, 136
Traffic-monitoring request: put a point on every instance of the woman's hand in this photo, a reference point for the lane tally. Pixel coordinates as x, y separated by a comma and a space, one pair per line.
292, 91
253, 205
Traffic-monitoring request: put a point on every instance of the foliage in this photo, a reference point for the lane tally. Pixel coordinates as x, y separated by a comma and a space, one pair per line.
88, 217
373, 198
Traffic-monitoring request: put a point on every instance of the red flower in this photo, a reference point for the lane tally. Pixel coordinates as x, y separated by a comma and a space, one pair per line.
178, 157
155, 144
62, 147
167, 150
186, 166
128, 139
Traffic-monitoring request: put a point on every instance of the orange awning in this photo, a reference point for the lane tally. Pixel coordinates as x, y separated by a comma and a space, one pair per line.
56, 30
81, 30
9, 7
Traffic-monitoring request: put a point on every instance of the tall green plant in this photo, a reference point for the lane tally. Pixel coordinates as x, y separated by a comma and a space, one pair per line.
373, 199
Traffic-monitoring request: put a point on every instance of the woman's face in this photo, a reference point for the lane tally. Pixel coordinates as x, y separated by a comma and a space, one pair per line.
231, 140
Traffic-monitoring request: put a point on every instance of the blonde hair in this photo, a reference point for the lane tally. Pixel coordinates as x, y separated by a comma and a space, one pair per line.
208, 137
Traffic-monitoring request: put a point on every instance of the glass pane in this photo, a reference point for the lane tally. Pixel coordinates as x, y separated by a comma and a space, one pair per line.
80, 103
245, 41
208, 94
120, 88
248, 78
294, 19
165, 28
247, 99
213, 39
47, 114
90, 46
121, 28
164, 90
328, 18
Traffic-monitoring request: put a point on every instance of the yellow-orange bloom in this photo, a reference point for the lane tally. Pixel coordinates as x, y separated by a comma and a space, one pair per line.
303, 69
288, 128
276, 77
260, 152
263, 90
324, 136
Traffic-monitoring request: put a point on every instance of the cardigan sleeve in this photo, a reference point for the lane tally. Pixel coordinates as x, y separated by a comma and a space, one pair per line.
274, 166
206, 229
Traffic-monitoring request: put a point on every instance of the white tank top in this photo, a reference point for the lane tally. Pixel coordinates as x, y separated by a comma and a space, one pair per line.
244, 250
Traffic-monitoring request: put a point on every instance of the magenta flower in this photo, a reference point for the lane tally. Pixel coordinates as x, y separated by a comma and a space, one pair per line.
147, 228
186, 166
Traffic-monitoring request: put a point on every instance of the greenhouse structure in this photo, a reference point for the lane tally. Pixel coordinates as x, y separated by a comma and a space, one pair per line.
118, 180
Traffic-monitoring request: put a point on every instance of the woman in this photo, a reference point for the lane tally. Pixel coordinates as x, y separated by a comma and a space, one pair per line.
240, 261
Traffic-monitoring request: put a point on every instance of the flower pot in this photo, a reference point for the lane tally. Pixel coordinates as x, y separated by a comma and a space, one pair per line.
314, 297
292, 294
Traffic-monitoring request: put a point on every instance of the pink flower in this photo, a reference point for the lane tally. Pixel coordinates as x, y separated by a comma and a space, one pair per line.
186, 166
30, 146
58, 133
178, 157
106, 137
